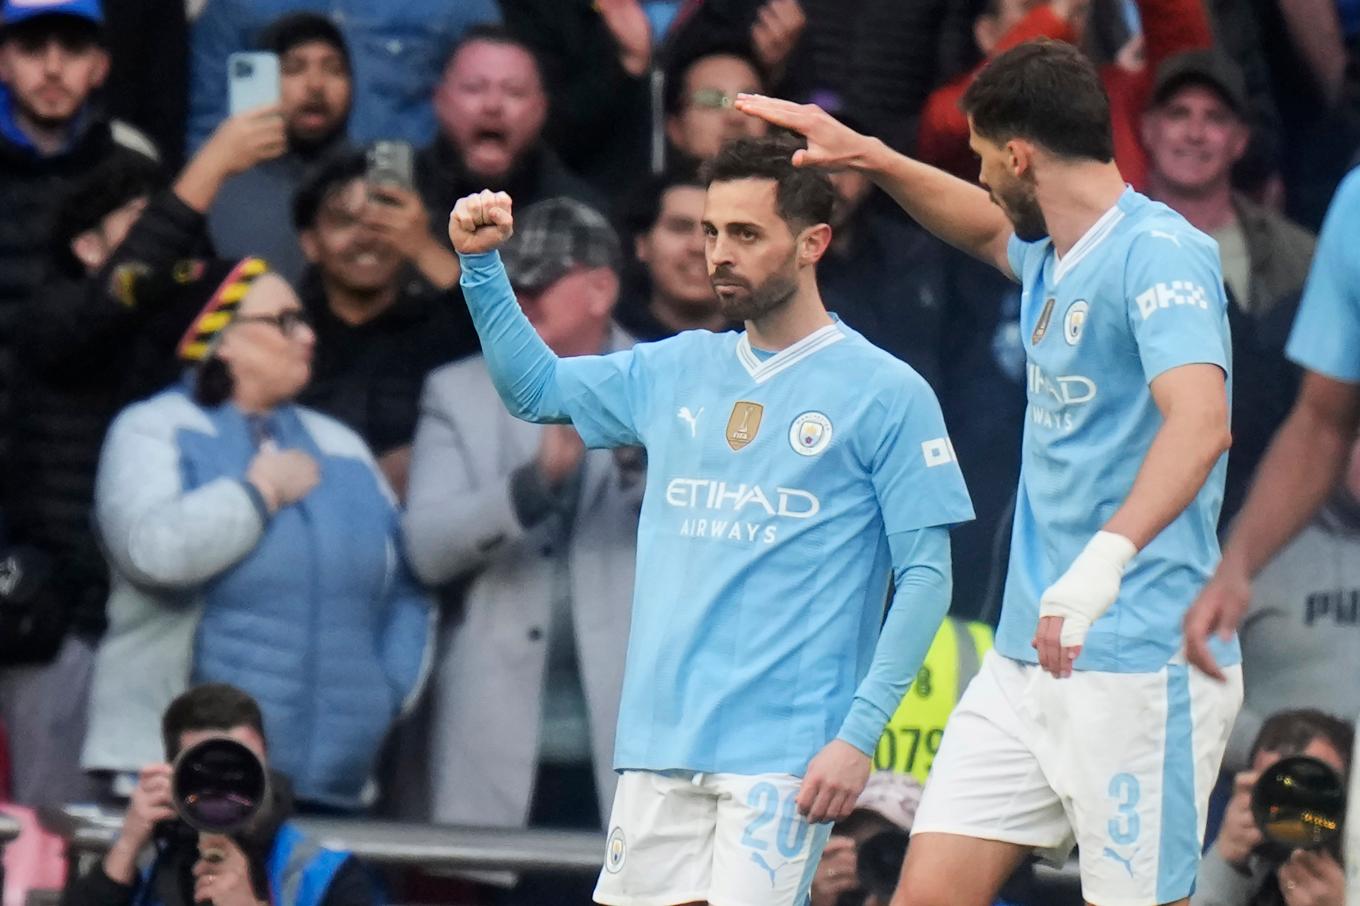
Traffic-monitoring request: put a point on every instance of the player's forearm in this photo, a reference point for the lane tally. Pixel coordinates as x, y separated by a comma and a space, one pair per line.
1297, 474
521, 365
956, 211
1182, 455
922, 573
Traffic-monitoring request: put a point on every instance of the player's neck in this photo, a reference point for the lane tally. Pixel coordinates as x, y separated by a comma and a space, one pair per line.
1208, 209
1073, 196
803, 315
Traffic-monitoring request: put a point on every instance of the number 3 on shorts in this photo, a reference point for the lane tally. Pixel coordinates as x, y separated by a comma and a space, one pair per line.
1125, 827
792, 830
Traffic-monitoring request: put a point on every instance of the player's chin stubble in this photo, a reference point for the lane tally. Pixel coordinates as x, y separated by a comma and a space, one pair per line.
758, 301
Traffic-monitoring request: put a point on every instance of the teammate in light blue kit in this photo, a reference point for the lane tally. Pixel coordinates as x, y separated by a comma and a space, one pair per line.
793, 469
1085, 724
1306, 459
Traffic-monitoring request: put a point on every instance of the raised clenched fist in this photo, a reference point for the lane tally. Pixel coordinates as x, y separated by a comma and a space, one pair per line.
481, 222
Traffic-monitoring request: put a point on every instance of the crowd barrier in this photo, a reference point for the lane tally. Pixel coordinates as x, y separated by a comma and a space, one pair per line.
91, 830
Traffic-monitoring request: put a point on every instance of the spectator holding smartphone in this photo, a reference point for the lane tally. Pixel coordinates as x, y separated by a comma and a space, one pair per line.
252, 217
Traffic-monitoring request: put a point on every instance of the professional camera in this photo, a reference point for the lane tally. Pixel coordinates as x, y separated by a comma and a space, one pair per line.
218, 786
1299, 803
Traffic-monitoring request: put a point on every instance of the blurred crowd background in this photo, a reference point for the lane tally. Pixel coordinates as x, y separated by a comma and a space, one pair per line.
246, 437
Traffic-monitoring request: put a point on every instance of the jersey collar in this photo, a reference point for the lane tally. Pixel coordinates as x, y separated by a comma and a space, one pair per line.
787, 357
1093, 237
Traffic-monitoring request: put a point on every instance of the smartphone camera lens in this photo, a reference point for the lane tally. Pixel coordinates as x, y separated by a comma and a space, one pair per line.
244, 69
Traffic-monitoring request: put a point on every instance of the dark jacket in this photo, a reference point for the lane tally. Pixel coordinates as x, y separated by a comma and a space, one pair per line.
1281, 252
1264, 381
86, 354
370, 375
599, 119
169, 880
441, 180
31, 186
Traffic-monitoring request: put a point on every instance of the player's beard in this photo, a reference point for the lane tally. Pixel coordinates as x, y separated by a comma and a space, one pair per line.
755, 302
1021, 205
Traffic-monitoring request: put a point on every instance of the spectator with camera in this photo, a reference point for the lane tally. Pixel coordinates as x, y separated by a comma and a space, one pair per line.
316, 85
252, 541
1240, 868
270, 861
89, 349
379, 329
399, 48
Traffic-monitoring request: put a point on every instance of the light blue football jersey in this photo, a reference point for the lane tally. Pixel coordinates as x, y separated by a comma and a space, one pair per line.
1326, 333
773, 483
1141, 293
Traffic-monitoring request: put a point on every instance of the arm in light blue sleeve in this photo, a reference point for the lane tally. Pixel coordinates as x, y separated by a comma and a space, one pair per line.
601, 396
923, 580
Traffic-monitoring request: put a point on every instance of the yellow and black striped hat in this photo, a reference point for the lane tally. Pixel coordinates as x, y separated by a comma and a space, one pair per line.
225, 283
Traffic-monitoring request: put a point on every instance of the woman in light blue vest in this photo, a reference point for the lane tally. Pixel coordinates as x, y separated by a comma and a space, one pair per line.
252, 542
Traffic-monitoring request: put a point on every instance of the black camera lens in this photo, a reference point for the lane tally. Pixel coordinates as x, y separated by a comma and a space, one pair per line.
219, 786
1299, 803
244, 69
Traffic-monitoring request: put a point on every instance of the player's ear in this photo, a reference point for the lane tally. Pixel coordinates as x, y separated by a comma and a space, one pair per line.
1019, 156
813, 243
311, 249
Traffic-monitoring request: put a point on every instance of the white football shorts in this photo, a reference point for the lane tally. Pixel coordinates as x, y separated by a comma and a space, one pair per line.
1118, 764
728, 839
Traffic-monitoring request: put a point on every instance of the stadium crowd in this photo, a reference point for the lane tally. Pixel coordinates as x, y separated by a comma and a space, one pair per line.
247, 438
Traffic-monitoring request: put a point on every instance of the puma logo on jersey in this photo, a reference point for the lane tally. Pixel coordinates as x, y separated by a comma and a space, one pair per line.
1127, 863
760, 860
691, 419
1164, 235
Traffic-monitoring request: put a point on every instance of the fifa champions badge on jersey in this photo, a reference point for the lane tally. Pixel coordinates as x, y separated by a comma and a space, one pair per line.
743, 424
810, 433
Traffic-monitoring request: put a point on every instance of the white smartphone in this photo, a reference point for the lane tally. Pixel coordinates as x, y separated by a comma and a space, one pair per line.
252, 80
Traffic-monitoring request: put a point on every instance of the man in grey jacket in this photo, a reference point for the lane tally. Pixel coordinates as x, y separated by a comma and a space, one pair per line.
543, 532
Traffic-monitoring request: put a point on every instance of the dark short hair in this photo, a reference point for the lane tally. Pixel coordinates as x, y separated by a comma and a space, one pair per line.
491, 33
295, 29
643, 207
1290, 732
97, 193
211, 706
1046, 92
673, 90
328, 176
803, 196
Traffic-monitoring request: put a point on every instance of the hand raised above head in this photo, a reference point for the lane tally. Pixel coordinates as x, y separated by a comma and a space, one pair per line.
481, 222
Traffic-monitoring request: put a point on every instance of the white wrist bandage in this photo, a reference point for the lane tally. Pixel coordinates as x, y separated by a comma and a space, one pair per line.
1089, 587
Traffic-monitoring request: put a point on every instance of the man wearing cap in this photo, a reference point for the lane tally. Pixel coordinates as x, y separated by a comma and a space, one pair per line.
526, 692
251, 214
51, 59
1194, 131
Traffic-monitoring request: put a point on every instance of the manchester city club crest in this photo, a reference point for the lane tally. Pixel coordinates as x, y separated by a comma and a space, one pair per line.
616, 853
810, 433
1074, 321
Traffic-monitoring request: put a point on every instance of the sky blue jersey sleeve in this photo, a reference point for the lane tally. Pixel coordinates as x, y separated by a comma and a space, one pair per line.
602, 396
1176, 305
1326, 333
912, 464
921, 574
